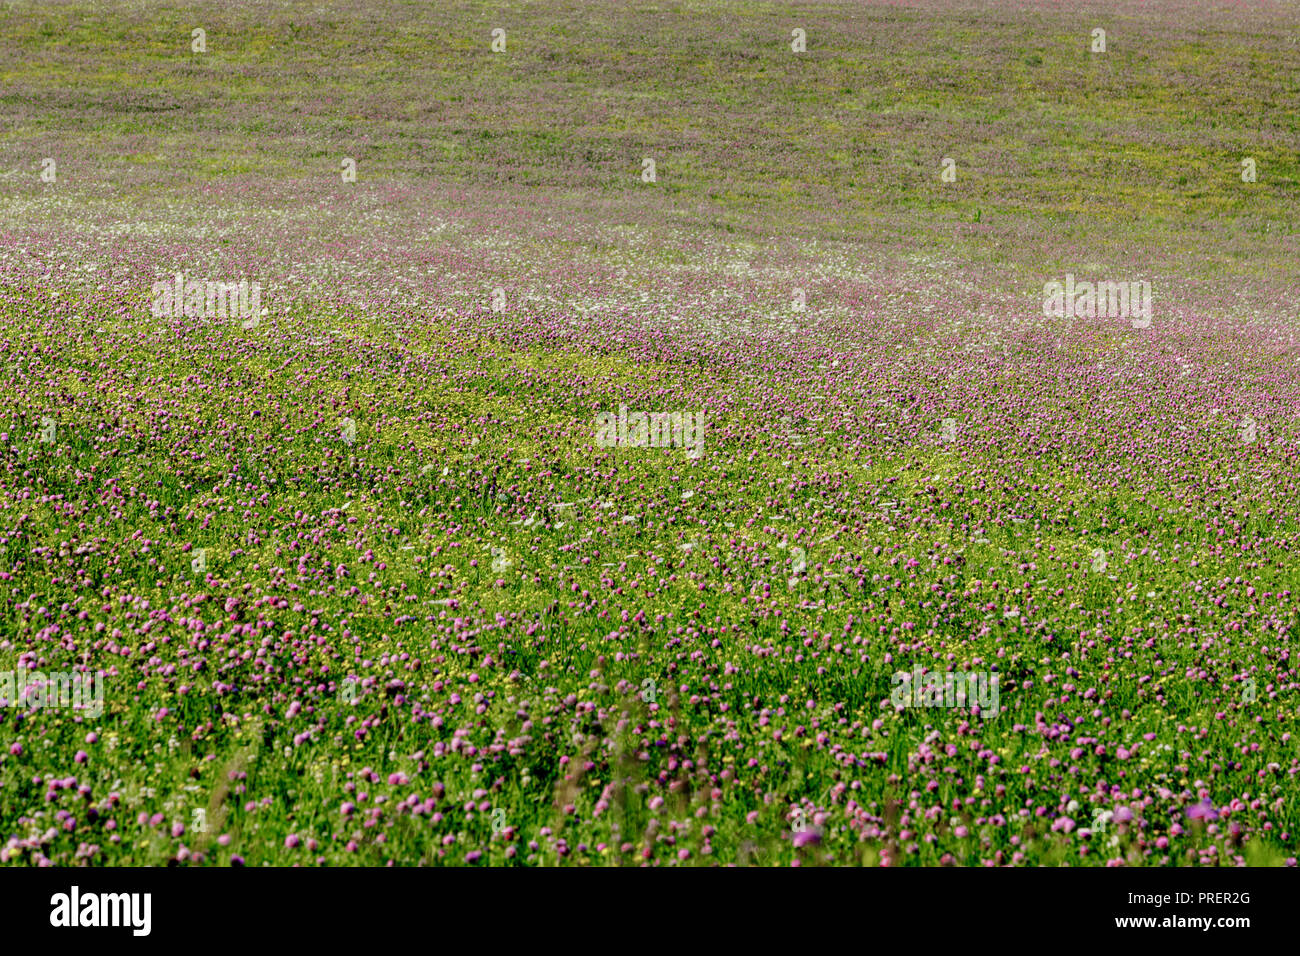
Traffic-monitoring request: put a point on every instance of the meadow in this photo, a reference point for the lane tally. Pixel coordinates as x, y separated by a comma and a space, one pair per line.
361, 580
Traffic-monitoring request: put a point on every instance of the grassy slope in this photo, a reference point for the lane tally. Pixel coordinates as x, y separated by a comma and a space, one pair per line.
1126, 165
